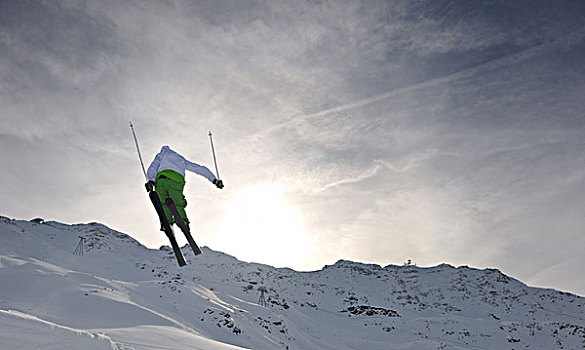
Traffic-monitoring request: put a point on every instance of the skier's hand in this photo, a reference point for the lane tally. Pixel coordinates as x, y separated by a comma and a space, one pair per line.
218, 183
149, 186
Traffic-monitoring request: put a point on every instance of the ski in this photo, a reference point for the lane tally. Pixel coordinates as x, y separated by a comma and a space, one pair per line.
182, 225
167, 228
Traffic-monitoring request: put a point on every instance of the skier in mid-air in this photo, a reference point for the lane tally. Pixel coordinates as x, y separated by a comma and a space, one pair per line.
166, 173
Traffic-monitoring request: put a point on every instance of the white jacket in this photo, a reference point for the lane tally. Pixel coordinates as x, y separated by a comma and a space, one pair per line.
167, 159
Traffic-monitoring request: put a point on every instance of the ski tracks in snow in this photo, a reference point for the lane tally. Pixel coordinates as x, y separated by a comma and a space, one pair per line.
52, 325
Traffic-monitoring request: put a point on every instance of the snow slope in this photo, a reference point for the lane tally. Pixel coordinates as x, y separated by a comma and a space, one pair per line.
121, 295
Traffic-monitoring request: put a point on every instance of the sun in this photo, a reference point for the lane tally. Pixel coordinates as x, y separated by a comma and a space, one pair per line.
262, 225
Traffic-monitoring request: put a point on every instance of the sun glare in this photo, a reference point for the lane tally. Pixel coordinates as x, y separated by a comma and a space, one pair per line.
261, 225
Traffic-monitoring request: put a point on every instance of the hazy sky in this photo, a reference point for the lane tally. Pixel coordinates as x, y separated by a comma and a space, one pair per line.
376, 131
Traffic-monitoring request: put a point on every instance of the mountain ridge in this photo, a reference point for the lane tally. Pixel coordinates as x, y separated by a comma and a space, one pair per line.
122, 295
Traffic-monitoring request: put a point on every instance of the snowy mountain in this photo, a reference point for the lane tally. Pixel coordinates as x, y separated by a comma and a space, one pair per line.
121, 295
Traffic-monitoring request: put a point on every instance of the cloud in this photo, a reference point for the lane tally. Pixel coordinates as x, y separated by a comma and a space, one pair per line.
361, 177
561, 274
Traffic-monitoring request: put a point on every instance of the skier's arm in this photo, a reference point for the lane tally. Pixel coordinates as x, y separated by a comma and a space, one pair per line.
200, 170
153, 168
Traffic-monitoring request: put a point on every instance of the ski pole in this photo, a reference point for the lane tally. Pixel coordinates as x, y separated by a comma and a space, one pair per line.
138, 149
213, 152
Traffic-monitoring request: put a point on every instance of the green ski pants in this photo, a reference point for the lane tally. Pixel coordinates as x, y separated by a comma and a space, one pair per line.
171, 184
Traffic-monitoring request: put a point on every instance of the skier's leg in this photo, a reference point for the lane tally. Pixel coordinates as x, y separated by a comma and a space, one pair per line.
176, 194
162, 188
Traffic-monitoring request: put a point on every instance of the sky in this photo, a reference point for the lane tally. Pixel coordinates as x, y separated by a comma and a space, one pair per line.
374, 131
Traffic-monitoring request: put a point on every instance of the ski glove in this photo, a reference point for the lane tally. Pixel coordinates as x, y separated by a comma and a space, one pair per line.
149, 186
218, 183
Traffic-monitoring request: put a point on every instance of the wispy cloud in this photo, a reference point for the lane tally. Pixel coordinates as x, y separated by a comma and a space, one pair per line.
361, 177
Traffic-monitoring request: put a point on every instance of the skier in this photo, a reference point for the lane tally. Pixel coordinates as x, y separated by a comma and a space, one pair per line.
167, 174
